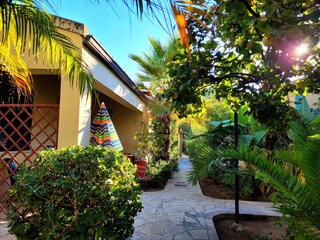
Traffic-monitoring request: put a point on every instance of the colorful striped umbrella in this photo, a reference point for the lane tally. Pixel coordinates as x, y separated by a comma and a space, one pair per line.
103, 132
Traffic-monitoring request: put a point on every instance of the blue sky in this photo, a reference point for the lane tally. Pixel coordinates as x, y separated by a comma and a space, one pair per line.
118, 31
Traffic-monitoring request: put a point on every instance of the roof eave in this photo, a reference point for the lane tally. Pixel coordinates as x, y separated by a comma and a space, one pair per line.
104, 56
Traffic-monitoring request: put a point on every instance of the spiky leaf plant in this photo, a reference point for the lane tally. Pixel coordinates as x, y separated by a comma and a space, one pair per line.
294, 173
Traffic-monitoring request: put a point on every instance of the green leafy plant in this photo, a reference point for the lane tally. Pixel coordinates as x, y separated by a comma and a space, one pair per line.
246, 52
294, 173
160, 172
193, 146
247, 182
154, 139
75, 193
160, 130
144, 138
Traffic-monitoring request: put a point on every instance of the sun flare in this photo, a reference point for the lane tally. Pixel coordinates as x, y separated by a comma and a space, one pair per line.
302, 49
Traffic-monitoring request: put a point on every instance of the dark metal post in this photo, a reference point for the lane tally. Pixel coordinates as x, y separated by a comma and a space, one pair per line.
236, 168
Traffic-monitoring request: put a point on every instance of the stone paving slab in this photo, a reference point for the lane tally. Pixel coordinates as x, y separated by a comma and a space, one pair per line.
4, 234
183, 212
180, 211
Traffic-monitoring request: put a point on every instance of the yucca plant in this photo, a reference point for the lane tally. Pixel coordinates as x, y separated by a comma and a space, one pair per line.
294, 173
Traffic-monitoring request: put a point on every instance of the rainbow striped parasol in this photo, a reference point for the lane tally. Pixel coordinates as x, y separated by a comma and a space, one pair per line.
103, 132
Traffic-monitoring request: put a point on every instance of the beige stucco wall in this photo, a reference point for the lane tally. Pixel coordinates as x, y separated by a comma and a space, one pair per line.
47, 88
74, 113
125, 120
75, 110
313, 100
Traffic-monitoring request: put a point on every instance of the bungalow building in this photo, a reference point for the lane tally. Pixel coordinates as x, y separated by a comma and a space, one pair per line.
58, 116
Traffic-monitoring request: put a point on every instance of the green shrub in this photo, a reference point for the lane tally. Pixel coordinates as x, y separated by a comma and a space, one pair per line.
247, 182
75, 193
160, 172
194, 146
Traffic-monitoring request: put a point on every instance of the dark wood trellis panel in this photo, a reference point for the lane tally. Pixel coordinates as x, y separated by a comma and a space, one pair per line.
25, 129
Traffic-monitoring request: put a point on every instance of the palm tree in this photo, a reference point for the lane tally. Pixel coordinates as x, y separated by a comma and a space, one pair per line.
294, 173
28, 29
153, 65
153, 68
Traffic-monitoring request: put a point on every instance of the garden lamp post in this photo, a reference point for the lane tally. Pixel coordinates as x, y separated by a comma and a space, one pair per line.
300, 51
236, 168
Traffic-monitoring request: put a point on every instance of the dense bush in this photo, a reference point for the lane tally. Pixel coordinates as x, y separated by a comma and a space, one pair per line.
194, 146
222, 172
160, 172
249, 186
75, 193
160, 129
153, 140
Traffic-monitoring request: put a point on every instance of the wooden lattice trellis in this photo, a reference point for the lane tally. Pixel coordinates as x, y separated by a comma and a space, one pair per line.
25, 129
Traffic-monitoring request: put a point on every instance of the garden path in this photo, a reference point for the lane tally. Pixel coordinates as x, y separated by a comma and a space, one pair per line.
181, 211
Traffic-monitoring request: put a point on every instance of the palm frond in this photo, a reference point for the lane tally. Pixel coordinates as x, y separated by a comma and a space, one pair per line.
17, 68
203, 164
314, 127
158, 109
157, 48
299, 196
29, 25
144, 78
303, 198
153, 65
310, 162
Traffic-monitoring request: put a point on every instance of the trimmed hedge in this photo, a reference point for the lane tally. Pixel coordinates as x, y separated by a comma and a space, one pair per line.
160, 172
75, 193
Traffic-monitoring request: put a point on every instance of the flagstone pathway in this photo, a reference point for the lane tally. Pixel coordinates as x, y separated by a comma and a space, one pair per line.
180, 211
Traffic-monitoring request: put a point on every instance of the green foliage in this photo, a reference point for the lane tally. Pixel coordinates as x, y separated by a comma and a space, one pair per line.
161, 171
221, 171
221, 133
160, 130
143, 136
154, 139
153, 71
174, 141
244, 52
28, 29
185, 85
294, 173
216, 110
153, 64
194, 146
249, 186
198, 126
75, 193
